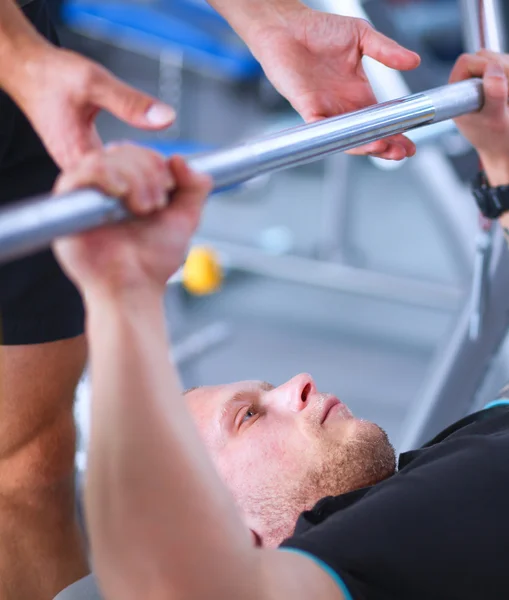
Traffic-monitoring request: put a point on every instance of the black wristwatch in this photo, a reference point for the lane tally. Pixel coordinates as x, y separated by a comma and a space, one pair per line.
492, 201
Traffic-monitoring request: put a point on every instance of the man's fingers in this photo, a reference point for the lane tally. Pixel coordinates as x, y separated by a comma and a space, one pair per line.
468, 66
492, 68
192, 188
140, 177
496, 91
188, 180
131, 106
148, 175
92, 172
387, 51
474, 65
155, 179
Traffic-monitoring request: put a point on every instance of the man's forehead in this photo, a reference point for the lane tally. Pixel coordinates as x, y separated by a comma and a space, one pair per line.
211, 392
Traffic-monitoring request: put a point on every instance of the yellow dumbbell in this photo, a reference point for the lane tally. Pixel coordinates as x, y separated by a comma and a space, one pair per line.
202, 273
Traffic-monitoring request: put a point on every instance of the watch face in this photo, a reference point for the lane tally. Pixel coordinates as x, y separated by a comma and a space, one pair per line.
492, 202
495, 202
481, 198
488, 202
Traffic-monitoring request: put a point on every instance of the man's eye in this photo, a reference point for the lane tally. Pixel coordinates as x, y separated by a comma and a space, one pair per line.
250, 412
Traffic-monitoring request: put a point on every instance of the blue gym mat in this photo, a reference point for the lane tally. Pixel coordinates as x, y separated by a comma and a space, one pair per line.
202, 37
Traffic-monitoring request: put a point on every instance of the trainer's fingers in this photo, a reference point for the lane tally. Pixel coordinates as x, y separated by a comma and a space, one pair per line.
394, 152
385, 50
378, 147
403, 142
393, 148
126, 103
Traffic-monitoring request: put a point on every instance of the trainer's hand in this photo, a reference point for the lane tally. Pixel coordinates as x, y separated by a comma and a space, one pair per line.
144, 252
488, 130
62, 92
314, 59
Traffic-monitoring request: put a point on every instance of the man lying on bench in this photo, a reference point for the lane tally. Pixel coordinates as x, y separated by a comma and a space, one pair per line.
295, 498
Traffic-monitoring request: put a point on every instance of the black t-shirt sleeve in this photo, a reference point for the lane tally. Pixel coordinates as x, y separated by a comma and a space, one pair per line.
356, 544
432, 531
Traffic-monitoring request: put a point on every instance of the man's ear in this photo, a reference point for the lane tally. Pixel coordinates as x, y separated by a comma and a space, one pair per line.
257, 540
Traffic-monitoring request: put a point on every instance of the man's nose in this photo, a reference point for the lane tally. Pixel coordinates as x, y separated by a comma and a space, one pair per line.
296, 393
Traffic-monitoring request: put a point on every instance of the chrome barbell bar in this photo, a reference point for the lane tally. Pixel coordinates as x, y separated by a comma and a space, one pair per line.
31, 225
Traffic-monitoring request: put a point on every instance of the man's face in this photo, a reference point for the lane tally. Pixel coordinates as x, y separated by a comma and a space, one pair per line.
281, 449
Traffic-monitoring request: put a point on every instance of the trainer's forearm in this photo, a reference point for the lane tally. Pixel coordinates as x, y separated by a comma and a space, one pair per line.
249, 16
162, 524
19, 41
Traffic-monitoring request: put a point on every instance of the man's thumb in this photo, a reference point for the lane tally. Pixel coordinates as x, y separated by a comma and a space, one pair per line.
496, 90
130, 105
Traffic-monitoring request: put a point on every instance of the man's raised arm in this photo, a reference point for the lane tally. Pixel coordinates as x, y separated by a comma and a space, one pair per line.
161, 522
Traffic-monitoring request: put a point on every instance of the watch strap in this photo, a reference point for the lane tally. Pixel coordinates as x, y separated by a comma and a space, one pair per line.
492, 201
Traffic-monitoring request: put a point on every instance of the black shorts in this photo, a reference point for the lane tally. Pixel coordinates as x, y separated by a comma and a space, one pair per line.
38, 303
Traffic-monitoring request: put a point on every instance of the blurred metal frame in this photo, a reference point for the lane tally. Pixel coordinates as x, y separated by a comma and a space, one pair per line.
447, 201
460, 366
461, 363
483, 25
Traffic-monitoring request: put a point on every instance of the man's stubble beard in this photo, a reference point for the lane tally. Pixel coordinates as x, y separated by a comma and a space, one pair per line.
365, 460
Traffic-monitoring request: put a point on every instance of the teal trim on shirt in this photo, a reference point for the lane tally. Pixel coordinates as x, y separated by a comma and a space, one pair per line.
499, 402
325, 567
